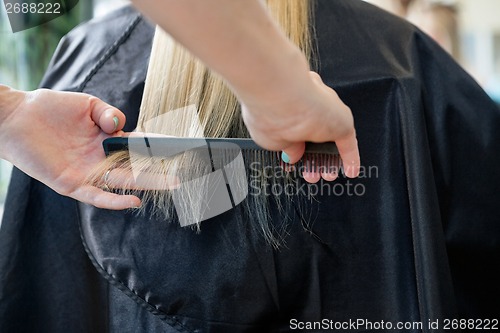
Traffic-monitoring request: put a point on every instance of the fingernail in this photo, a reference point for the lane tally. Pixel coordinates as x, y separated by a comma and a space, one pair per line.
117, 121
285, 157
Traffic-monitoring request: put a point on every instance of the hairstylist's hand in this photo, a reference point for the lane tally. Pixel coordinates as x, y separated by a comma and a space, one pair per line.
283, 104
56, 137
313, 113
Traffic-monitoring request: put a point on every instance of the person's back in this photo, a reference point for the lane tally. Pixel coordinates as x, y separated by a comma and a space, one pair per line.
397, 244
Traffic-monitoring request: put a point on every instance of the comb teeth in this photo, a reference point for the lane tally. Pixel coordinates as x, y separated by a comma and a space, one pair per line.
259, 160
321, 164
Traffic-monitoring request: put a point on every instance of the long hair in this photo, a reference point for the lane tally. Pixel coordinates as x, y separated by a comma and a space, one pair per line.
175, 81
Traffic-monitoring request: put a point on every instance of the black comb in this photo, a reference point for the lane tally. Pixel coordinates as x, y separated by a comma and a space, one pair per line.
316, 156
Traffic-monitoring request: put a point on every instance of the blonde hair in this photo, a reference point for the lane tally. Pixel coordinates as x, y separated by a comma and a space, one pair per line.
177, 80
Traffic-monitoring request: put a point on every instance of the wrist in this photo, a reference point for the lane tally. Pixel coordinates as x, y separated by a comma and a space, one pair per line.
10, 99
288, 80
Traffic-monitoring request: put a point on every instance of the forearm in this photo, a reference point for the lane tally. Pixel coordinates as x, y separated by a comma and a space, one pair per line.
237, 39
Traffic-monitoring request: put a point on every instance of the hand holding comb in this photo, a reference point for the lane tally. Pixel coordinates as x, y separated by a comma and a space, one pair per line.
319, 160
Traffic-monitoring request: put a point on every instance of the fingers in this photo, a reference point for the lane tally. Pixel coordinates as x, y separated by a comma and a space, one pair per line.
106, 200
317, 167
348, 145
330, 170
108, 118
348, 149
126, 179
310, 174
123, 179
293, 153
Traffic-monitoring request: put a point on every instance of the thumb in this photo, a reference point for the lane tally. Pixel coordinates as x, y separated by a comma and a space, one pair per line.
108, 118
293, 153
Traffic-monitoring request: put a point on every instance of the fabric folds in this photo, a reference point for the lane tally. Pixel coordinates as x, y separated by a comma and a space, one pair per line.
416, 238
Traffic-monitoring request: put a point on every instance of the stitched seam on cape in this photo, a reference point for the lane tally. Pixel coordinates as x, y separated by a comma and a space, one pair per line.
111, 51
173, 321
170, 320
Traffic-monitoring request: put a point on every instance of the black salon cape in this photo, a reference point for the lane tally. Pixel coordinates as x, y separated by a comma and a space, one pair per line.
418, 241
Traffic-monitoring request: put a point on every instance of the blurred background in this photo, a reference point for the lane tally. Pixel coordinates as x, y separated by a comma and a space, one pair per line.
468, 29
24, 56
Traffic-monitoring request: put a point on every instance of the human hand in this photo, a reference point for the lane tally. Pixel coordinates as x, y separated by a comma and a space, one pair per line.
56, 138
313, 113
143, 171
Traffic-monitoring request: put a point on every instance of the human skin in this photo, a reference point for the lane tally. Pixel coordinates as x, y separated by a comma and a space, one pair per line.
283, 103
56, 138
